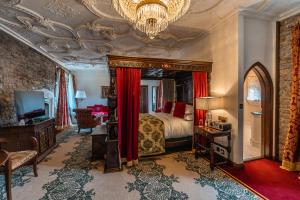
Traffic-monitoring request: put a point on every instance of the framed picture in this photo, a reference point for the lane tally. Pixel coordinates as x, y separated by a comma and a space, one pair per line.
104, 91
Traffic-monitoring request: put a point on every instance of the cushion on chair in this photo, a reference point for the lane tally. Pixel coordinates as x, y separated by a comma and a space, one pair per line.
21, 157
90, 107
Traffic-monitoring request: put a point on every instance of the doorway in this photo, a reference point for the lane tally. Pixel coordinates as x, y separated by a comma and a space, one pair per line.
258, 113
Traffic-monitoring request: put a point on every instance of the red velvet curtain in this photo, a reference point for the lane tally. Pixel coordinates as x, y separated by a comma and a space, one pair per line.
62, 116
200, 90
128, 90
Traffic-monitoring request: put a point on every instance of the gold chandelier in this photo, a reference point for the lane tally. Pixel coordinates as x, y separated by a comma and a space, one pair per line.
151, 16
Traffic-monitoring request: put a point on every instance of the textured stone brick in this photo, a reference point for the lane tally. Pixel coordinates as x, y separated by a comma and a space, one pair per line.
21, 68
285, 73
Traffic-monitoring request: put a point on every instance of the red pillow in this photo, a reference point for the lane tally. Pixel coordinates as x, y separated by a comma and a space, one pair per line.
168, 107
179, 110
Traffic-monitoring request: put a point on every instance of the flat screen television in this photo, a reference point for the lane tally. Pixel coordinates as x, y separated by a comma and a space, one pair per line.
29, 104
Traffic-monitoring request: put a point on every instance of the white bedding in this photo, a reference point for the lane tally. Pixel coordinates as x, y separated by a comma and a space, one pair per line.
175, 127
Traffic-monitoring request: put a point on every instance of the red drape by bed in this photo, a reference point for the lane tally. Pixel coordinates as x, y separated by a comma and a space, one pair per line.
200, 90
62, 116
128, 90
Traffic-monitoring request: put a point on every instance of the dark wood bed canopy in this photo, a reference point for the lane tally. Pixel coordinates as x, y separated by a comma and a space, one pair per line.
151, 65
159, 63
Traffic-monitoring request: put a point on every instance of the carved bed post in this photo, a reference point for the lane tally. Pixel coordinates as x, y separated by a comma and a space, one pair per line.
112, 97
112, 158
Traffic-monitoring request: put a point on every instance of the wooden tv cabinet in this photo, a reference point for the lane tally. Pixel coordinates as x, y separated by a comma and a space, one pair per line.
19, 137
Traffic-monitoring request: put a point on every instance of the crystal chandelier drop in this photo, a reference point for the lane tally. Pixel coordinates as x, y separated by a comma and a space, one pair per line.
151, 16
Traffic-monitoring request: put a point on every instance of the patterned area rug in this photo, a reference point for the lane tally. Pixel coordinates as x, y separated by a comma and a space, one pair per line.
67, 173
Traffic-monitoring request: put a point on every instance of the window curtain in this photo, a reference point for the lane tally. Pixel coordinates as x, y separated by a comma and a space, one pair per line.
200, 90
128, 90
62, 116
71, 97
74, 88
159, 96
166, 92
291, 153
56, 91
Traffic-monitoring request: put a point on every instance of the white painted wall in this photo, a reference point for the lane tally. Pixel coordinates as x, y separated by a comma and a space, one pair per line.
233, 46
91, 81
259, 43
150, 83
221, 47
260, 46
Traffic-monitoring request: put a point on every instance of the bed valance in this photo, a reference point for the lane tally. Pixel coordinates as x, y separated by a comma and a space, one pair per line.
166, 64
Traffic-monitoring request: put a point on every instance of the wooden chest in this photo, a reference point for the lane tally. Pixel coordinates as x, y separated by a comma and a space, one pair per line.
19, 137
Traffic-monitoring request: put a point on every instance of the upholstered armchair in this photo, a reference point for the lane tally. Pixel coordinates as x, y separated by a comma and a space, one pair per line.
10, 161
85, 119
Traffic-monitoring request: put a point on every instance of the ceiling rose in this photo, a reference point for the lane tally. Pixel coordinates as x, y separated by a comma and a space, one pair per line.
151, 16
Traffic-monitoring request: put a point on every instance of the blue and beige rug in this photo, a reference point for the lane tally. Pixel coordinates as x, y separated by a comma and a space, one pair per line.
68, 174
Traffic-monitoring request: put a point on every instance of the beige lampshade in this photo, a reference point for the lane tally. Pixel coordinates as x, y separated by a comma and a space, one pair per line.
80, 94
209, 103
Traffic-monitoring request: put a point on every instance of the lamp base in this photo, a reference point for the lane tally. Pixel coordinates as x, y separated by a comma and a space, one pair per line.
208, 118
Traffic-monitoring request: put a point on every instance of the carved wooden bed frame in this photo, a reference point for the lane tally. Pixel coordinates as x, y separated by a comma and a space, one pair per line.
166, 64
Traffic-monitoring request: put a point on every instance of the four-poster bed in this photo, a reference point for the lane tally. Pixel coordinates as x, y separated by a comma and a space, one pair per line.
151, 68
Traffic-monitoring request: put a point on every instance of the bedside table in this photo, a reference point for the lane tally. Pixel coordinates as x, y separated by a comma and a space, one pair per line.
212, 148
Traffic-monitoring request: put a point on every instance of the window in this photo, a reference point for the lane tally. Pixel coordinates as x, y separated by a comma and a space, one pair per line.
154, 91
253, 89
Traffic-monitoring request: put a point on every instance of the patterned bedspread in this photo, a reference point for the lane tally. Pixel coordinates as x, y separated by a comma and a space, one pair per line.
151, 135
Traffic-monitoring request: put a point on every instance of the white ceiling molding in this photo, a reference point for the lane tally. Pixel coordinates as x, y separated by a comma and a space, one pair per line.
207, 9
80, 33
59, 7
88, 42
289, 13
91, 5
261, 15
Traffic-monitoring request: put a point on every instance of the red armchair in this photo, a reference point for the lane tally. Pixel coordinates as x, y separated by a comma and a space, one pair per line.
85, 119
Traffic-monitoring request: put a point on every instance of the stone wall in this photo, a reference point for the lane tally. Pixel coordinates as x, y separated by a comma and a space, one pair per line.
285, 73
21, 68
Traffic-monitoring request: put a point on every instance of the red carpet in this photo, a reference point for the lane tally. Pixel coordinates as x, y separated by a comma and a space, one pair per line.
268, 179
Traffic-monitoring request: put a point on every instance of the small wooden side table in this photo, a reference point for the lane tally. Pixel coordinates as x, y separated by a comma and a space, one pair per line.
210, 134
98, 142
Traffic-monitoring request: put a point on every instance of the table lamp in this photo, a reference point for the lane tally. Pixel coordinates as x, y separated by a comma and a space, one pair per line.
209, 103
80, 95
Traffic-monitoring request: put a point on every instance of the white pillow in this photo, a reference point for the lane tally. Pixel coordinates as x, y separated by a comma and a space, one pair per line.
189, 117
189, 109
189, 113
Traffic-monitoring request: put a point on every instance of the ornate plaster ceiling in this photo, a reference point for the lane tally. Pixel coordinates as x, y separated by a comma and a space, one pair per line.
80, 33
